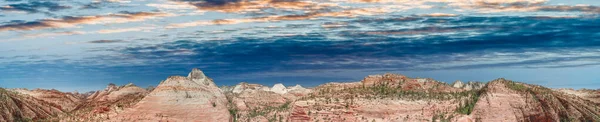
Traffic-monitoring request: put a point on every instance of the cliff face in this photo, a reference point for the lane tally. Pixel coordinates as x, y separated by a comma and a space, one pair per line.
382, 98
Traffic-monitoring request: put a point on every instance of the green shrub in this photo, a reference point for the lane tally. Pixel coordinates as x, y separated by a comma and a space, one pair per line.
516, 86
466, 106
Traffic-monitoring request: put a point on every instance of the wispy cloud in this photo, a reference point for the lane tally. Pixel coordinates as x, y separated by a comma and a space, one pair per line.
51, 34
307, 16
121, 30
35, 7
254, 5
548, 44
72, 21
105, 41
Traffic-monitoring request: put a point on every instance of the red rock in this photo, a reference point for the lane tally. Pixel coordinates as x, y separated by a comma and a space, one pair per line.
66, 101
196, 98
192, 98
21, 107
299, 114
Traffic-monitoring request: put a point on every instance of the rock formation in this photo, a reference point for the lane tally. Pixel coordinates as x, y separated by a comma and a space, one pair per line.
469, 85
67, 101
587, 94
381, 98
112, 100
504, 100
16, 107
243, 86
178, 98
458, 84
279, 89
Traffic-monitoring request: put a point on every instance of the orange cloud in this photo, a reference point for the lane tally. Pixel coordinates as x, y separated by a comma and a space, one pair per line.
71, 21
345, 13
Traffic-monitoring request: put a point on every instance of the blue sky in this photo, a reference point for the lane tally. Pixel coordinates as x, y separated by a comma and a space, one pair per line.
84, 45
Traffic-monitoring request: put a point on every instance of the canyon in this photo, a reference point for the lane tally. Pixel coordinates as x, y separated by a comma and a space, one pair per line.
379, 98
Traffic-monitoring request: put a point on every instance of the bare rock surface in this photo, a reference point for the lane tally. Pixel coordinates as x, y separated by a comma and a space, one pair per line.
17, 107
101, 104
587, 94
379, 98
504, 100
279, 89
471, 85
67, 101
191, 98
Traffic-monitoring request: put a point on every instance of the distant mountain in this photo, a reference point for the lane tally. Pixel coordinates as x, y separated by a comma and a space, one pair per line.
382, 98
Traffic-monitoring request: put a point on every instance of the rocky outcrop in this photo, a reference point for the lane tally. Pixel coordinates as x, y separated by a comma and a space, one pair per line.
17, 107
178, 98
380, 98
243, 86
389, 79
100, 104
279, 89
298, 90
408, 84
115, 93
66, 101
587, 94
273, 103
469, 85
504, 100
458, 84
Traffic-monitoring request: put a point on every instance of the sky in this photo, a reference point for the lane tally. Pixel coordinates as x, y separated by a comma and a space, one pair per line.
83, 45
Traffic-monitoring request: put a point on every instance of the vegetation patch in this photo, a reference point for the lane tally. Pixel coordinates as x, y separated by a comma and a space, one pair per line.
467, 106
442, 118
234, 113
262, 112
385, 91
516, 86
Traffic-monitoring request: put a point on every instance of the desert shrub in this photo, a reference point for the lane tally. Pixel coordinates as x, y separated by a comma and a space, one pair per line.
441, 118
516, 86
234, 113
466, 106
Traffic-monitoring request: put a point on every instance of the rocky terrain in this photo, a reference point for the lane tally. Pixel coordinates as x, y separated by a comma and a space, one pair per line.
380, 98
191, 98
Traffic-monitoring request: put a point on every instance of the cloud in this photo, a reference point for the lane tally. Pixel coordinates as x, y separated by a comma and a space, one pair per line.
236, 6
344, 13
71, 21
105, 41
578, 8
523, 42
51, 34
439, 15
171, 5
98, 4
429, 30
121, 30
35, 7
491, 6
